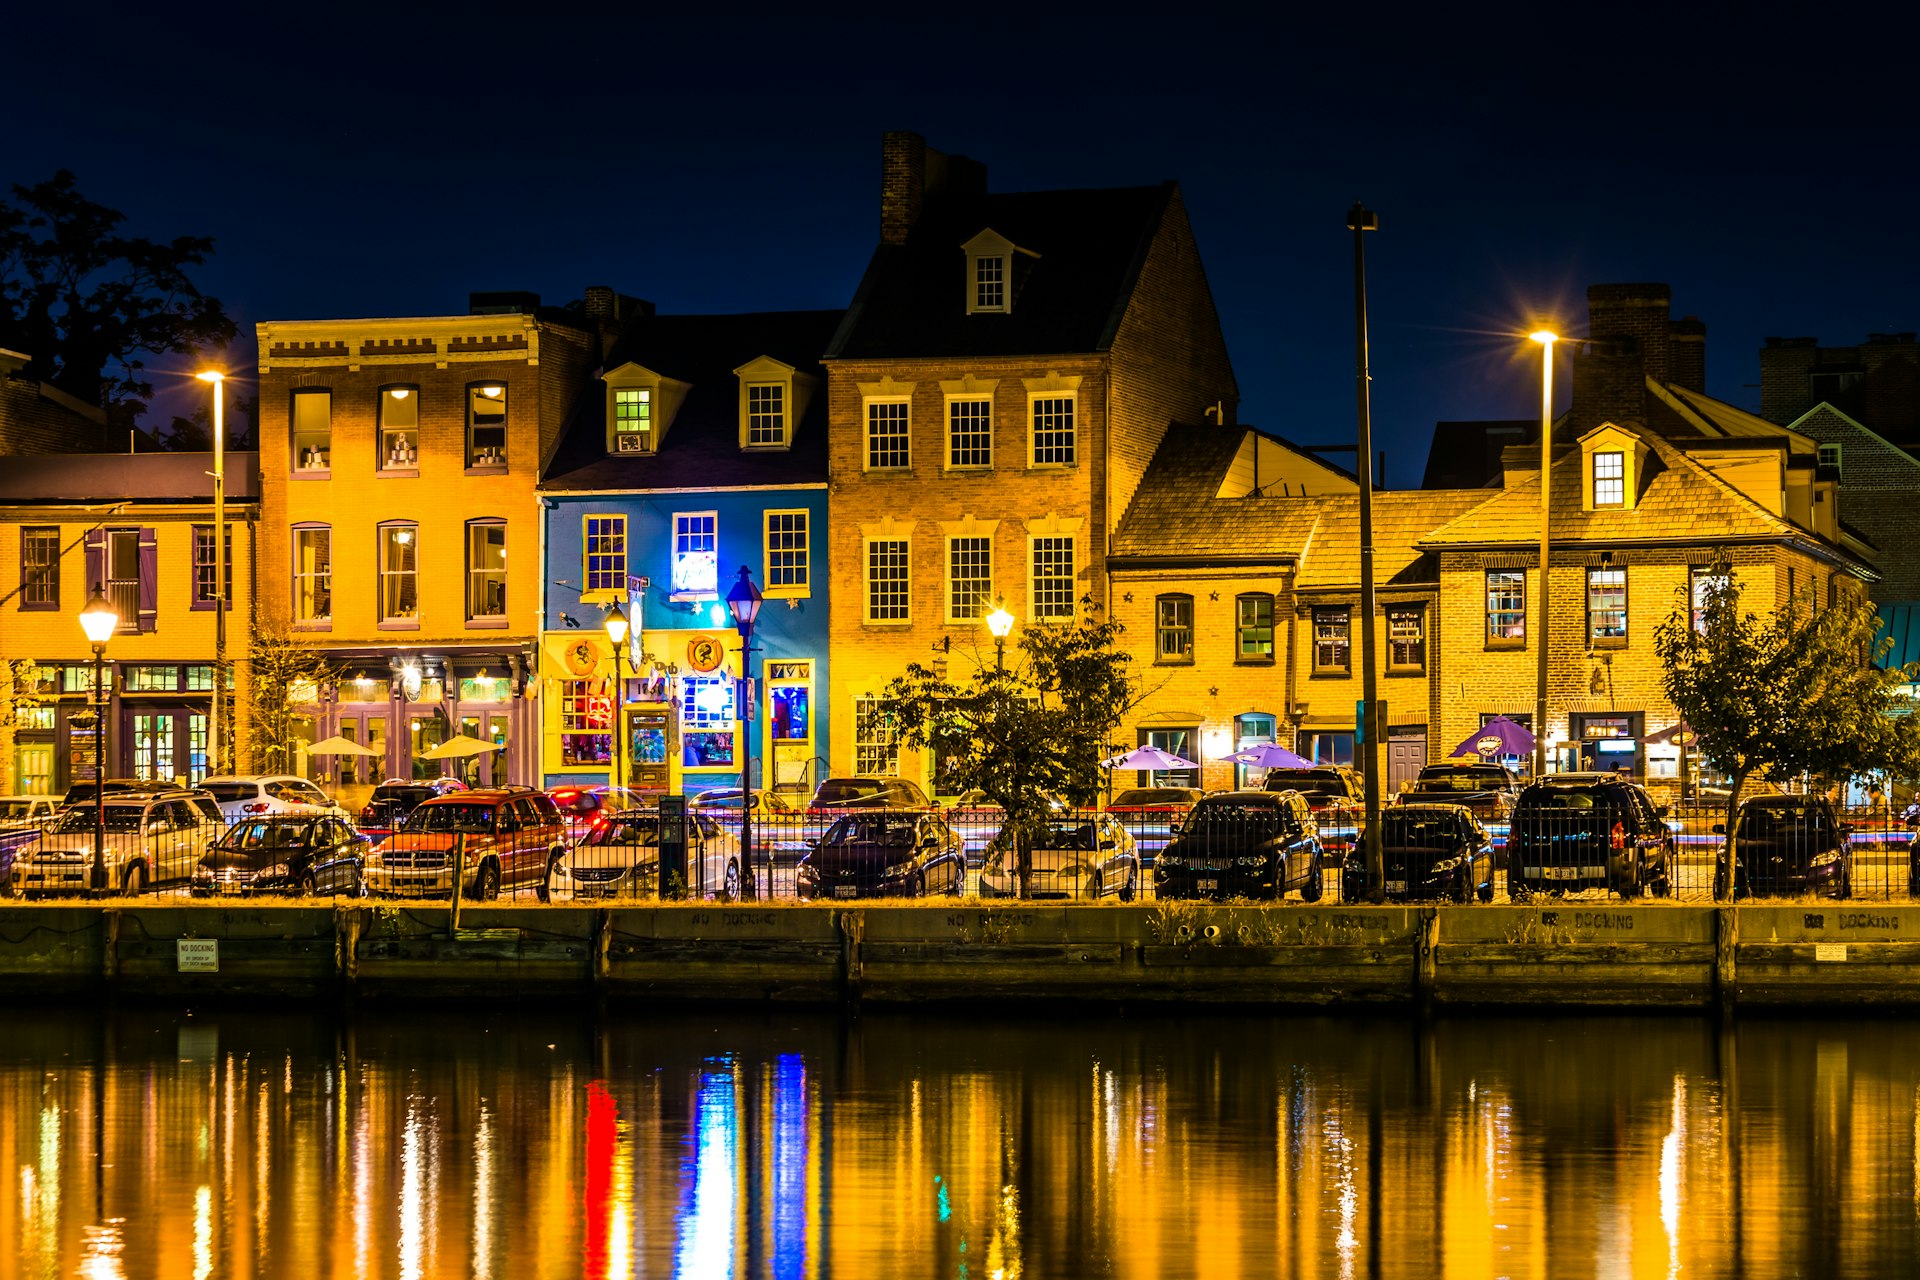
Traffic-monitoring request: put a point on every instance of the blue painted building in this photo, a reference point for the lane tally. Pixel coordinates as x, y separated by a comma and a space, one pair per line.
702, 451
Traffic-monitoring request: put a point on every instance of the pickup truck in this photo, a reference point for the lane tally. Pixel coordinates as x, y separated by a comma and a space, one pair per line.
1487, 790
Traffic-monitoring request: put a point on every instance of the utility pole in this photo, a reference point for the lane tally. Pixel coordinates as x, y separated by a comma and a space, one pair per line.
1361, 220
1546, 339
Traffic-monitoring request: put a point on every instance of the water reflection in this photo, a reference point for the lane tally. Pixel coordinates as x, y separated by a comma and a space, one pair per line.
799, 1147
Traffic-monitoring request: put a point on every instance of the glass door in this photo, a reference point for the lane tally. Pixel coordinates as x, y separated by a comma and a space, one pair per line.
33, 768
153, 747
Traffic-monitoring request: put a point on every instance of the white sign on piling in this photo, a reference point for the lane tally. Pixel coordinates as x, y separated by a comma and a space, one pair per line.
197, 955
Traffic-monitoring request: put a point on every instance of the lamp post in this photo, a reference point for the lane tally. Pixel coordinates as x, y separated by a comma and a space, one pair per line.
616, 625
217, 762
99, 621
1361, 220
1546, 339
743, 602
1000, 622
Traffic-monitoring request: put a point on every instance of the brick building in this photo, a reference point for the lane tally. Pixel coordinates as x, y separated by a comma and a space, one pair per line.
400, 529
1009, 366
38, 417
1239, 598
1876, 383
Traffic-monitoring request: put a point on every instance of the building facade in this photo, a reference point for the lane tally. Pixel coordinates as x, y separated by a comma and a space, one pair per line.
400, 531
699, 451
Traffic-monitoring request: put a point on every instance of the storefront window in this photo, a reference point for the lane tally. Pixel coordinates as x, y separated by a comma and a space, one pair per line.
586, 723
706, 721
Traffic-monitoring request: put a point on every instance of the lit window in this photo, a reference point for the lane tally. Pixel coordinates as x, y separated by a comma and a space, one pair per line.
887, 446
40, 567
888, 597
1506, 606
1053, 431
788, 571
696, 562
1607, 606
1255, 625
970, 433
875, 751
1173, 628
399, 573
1406, 639
313, 574
203, 567
1052, 578
606, 553
706, 720
1704, 585
312, 429
1609, 479
399, 428
487, 569
586, 722
633, 419
1331, 648
486, 425
766, 414
969, 578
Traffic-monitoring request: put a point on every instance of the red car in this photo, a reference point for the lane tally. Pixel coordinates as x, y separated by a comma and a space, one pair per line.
1148, 814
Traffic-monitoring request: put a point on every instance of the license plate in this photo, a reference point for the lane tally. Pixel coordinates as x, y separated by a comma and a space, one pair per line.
1561, 873
845, 891
1207, 886
1396, 886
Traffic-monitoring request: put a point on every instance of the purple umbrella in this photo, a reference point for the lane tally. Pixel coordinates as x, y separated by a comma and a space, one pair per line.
1269, 755
1497, 737
1148, 758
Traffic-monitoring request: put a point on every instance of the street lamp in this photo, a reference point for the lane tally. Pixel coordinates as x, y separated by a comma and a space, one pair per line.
1000, 622
743, 602
1361, 220
99, 621
217, 765
1546, 338
616, 625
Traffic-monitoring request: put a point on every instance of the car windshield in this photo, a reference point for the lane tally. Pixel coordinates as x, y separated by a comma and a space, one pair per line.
121, 817
1318, 783
227, 792
1419, 830
629, 828
450, 817
1766, 821
1215, 816
14, 810
846, 790
1142, 796
1565, 799
406, 797
1472, 778
265, 835
894, 833
1065, 835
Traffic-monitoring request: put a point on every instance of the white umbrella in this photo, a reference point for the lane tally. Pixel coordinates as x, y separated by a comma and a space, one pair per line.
461, 746
338, 746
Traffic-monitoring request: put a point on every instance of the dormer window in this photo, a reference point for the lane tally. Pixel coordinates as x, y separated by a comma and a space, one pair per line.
990, 272
640, 408
766, 414
990, 284
1609, 479
773, 399
1614, 466
633, 419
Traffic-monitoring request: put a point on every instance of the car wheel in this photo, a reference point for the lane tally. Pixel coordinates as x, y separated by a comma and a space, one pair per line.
1128, 889
1846, 885
730, 883
306, 885
135, 882
1631, 889
1310, 891
1095, 887
486, 884
545, 892
918, 887
1486, 891
1663, 887
1460, 891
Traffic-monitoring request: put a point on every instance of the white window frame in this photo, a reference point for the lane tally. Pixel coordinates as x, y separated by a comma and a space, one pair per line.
1072, 401
876, 752
867, 581
389, 531
646, 396
983, 604
988, 283
947, 453
868, 405
802, 518
782, 435
682, 535
301, 619
616, 590
477, 575
1052, 613
1618, 480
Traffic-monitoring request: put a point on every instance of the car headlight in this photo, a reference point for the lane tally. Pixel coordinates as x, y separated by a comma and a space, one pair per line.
1827, 859
278, 871
202, 874
1171, 859
1257, 861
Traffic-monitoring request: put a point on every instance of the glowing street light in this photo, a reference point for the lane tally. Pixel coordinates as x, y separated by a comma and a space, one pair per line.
99, 621
616, 625
1000, 622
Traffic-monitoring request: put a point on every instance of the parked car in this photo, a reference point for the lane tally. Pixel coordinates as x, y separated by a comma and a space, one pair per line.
284, 853
82, 792
253, 796
512, 838
1243, 844
867, 791
23, 820
1789, 845
1426, 851
620, 857
586, 806
977, 819
1077, 856
779, 821
1336, 794
387, 808
1487, 788
151, 841
1575, 831
885, 852
1148, 814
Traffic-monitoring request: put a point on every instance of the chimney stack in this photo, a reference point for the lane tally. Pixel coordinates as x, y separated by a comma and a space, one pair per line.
912, 174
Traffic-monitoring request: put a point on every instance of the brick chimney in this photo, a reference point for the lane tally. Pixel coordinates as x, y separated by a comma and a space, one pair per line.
912, 173
1688, 336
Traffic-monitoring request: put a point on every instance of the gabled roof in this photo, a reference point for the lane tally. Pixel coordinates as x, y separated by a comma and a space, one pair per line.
700, 448
1068, 298
1702, 415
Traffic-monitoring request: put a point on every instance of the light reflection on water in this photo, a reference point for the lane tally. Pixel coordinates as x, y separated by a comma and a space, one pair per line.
802, 1146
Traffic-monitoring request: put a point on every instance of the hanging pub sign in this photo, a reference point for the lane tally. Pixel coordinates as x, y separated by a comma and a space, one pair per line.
704, 654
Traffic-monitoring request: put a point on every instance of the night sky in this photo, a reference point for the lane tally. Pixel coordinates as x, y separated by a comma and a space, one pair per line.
720, 158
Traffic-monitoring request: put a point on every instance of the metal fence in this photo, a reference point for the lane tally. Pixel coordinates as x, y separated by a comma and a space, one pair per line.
1088, 856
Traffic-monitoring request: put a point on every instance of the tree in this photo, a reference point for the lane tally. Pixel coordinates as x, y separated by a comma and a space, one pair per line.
1794, 693
1029, 733
280, 676
86, 303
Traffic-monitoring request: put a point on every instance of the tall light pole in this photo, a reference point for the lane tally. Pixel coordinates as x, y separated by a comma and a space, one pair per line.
1000, 622
215, 737
1361, 220
616, 625
743, 602
1546, 338
99, 621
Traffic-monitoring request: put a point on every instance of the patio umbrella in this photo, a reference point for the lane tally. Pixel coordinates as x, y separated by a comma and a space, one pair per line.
1497, 737
1269, 755
1679, 735
1148, 758
338, 746
461, 746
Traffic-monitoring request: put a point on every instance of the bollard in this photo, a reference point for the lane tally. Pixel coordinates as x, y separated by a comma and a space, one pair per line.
459, 882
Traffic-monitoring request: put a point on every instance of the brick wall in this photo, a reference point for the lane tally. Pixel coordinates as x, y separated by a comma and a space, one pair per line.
1878, 485
31, 422
1886, 396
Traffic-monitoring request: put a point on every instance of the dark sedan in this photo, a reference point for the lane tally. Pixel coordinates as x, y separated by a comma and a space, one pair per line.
1244, 844
1426, 851
301, 854
1789, 845
885, 853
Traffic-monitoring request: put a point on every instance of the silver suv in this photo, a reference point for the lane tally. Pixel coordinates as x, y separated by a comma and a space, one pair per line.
150, 841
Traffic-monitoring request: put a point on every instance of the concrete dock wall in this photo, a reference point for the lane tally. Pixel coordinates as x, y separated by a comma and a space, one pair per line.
1582, 955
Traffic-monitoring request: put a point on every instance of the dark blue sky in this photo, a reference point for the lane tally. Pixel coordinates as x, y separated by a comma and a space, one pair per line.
1759, 160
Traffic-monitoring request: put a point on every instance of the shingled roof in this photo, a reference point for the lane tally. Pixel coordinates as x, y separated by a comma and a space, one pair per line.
1069, 298
701, 448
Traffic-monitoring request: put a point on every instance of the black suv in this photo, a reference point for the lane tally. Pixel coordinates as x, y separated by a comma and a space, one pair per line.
1790, 845
1243, 844
1573, 831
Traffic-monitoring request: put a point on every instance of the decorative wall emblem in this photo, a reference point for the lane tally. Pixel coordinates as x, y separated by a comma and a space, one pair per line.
581, 659
705, 654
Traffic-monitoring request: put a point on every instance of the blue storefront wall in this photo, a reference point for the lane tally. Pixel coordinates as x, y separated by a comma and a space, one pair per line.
791, 630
